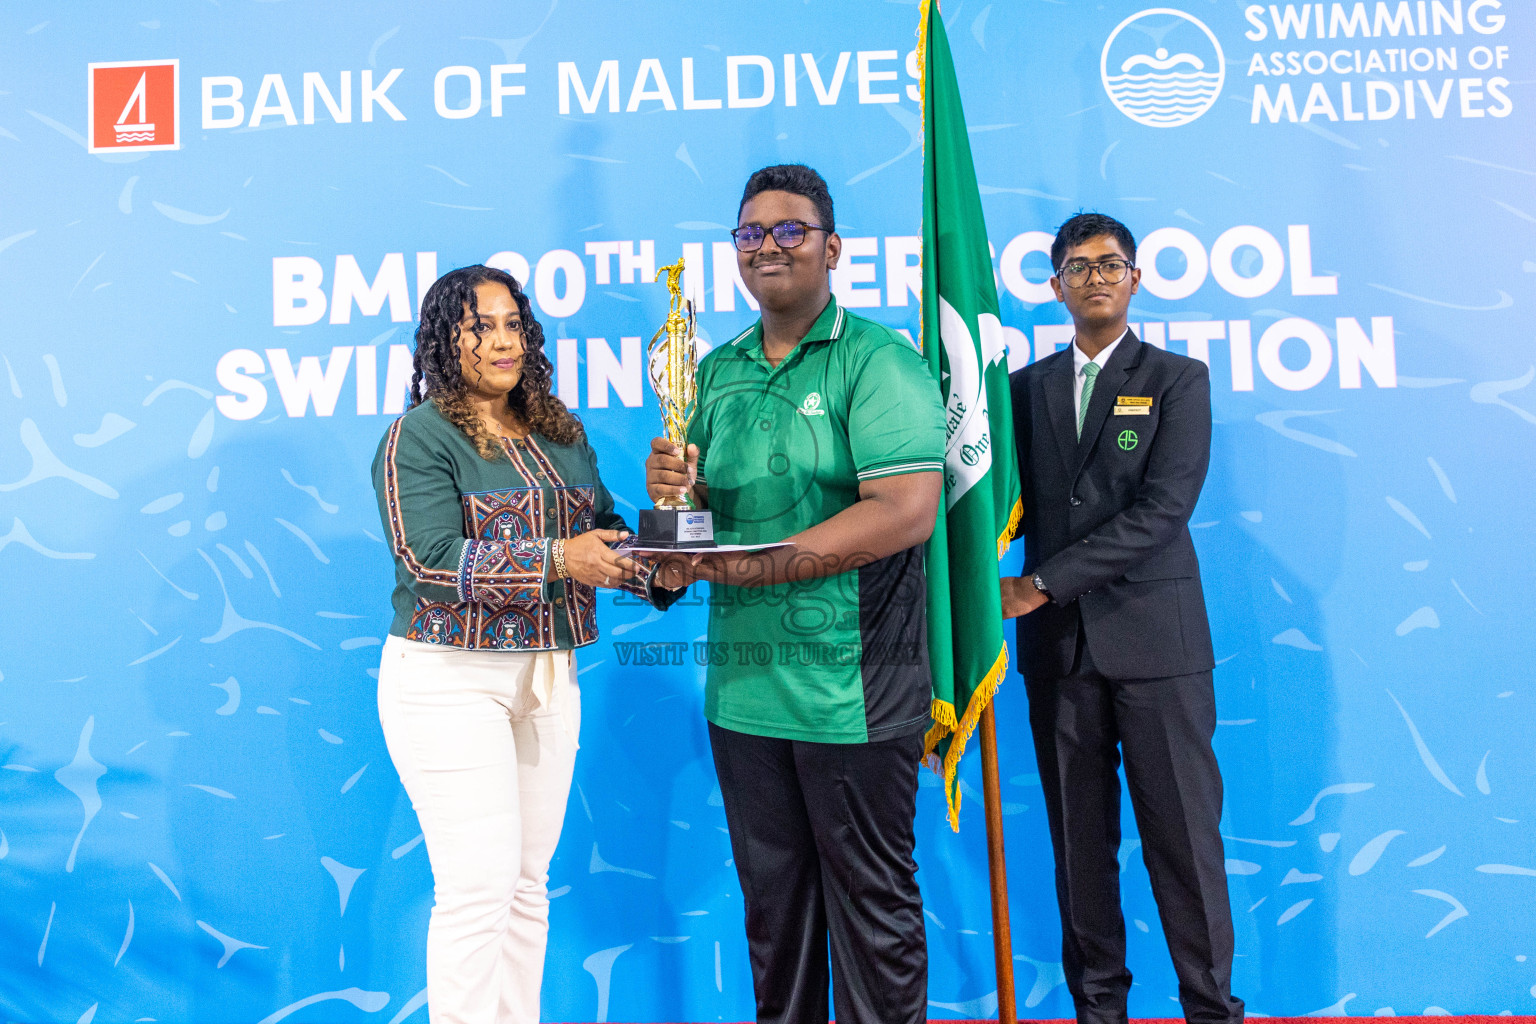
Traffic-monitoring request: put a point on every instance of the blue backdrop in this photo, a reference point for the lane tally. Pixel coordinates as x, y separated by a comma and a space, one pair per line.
203, 345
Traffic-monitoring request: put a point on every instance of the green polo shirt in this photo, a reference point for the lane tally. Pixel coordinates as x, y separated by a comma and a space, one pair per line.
842, 658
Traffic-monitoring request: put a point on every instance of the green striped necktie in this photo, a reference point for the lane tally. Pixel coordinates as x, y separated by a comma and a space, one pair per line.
1090, 374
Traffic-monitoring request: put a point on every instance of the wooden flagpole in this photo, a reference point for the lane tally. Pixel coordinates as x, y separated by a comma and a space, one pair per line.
1002, 940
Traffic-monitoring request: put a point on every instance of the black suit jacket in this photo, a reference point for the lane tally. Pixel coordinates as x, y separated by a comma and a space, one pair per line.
1106, 519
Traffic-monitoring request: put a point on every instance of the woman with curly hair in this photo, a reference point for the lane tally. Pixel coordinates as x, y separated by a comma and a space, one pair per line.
501, 531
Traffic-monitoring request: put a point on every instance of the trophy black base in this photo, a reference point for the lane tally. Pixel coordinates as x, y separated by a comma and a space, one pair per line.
682, 529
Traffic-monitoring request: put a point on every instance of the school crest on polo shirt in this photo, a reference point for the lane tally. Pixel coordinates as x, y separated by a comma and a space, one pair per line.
812, 405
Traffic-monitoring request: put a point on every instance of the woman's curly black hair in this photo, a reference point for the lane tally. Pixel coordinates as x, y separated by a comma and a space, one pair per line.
438, 375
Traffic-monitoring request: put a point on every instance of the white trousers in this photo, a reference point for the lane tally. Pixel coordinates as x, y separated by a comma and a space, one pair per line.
484, 742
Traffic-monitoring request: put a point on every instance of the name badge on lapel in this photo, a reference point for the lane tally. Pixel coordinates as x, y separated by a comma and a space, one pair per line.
1131, 405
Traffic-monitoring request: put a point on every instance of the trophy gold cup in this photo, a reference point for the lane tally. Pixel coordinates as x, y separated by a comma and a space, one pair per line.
672, 360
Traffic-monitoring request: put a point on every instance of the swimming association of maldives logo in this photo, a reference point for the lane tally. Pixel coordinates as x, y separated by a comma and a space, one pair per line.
1162, 68
133, 105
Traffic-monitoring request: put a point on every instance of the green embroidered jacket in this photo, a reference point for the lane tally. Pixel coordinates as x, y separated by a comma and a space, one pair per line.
471, 537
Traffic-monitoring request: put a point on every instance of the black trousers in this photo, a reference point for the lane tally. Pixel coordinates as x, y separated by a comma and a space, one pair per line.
822, 835
1081, 724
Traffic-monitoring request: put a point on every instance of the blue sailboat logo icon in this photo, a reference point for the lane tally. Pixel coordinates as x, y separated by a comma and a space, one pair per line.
1162, 68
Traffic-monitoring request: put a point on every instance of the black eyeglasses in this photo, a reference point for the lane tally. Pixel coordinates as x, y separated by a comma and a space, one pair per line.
787, 233
1078, 273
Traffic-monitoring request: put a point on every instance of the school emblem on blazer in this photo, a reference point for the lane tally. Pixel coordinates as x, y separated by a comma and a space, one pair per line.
1129, 440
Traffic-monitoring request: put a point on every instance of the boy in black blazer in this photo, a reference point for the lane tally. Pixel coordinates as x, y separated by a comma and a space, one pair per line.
1113, 441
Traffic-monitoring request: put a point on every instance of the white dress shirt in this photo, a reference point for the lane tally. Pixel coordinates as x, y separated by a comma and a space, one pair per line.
1079, 360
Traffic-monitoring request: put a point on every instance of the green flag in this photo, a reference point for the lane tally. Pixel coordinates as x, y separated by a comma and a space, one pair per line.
981, 505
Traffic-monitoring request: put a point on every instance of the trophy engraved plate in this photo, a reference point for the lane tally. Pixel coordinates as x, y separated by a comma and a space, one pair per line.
672, 360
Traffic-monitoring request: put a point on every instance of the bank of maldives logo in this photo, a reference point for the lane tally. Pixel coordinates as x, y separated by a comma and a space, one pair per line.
1162, 68
133, 105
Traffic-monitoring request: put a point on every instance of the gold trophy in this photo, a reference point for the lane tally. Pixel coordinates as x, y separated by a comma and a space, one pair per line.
672, 360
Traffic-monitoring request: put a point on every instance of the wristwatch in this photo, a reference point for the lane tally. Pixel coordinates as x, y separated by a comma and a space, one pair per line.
1040, 585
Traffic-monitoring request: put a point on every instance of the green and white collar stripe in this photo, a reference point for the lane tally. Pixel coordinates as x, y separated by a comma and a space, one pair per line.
925, 466
834, 331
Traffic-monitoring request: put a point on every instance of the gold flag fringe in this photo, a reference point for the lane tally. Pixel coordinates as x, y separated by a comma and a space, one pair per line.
922, 52
944, 725
1015, 516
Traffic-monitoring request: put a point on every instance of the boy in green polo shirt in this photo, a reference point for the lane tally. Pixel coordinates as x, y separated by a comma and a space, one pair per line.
823, 429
